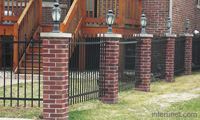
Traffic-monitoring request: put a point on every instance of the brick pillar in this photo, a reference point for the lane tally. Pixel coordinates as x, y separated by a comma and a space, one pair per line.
188, 54
170, 52
55, 76
143, 63
111, 68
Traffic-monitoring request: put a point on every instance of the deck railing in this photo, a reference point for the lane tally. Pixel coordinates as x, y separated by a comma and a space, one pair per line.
29, 20
73, 18
12, 9
127, 12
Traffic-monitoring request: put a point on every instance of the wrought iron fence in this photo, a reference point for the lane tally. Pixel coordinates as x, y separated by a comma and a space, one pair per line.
22, 86
196, 53
158, 58
127, 56
179, 58
86, 68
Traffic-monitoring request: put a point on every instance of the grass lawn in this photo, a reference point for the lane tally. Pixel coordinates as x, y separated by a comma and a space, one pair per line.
182, 96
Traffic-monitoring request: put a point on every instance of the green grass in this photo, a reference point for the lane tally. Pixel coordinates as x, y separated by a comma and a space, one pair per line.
182, 95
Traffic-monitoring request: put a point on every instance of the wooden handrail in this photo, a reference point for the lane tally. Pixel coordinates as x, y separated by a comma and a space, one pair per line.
24, 12
71, 13
29, 20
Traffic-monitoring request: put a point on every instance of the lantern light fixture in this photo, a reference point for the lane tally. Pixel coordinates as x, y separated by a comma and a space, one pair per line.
110, 18
168, 24
56, 15
143, 23
187, 25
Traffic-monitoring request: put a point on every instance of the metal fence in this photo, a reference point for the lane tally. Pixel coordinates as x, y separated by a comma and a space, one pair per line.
127, 56
158, 58
196, 53
22, 87
86, 68
179, 58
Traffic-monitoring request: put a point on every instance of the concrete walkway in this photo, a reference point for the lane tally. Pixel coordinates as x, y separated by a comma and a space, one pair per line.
14, 119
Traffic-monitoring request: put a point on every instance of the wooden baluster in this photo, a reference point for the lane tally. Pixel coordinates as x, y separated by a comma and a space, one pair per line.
12, 7
111, 4
25, 3
8, 7
106, 7
88, 8
102, 8
21, 7
93, 8
97, 8
115, 8
16, 7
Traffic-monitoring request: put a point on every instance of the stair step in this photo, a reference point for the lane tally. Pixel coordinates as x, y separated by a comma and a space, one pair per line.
35, 56
29, 70
35, 63
37, 44
36, 50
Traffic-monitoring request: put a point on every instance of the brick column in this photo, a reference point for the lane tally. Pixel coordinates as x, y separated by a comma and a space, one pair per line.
170, 52
188, 54
55, 75
143, 63
111, 68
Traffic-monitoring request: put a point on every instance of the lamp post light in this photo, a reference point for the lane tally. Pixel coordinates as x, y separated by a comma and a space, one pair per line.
110, 18
56, 15
168, 24
143, 23
187, 25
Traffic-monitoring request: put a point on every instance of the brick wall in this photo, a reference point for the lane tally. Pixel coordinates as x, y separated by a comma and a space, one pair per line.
182, 10
157, 11
46, 12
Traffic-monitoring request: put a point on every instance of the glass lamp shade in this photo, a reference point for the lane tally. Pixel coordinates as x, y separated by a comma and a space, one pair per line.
56, 12
187, 24
143, 21
169, 23
110, 18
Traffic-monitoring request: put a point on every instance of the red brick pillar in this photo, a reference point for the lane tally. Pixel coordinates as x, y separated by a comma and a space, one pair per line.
170, 52
143, 62
188, 54
111, 68
55, 76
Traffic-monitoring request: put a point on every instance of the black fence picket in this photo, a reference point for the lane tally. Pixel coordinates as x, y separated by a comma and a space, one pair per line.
86, 68
158, 58
196, 53
179, 58
127, 56
17, 86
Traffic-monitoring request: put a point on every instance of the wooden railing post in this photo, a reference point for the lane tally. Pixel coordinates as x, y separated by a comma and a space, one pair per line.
83, 10
16, 52
121, 13
40, 23
1, 10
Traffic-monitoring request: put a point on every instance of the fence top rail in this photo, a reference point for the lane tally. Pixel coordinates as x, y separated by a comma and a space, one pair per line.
87, 43
179, 39
130, 42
